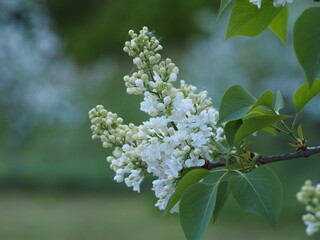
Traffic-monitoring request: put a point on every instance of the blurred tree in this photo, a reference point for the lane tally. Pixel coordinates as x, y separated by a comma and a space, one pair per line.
44, 100
93, 28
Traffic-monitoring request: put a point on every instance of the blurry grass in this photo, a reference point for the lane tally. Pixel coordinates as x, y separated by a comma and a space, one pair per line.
122, 217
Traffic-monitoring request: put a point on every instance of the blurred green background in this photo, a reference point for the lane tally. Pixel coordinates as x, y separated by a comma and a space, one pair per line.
60, 58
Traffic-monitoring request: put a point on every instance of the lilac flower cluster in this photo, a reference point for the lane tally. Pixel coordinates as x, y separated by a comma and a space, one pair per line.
180, 134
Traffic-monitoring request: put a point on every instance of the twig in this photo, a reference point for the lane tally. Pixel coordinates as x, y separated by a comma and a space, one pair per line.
264, 160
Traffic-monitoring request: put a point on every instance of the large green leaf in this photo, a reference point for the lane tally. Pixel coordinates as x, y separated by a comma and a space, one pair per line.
258, 192
235, 103
257, 111
266, 99
256, 123
223, 5
187, 180
196, 209
306, 39
260, 111
270, 129
305, 93
222, 197
248, 20
279, 103
231, 129
280, 23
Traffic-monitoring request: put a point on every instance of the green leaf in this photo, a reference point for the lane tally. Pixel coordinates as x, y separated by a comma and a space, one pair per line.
196, 208
187, 180
254, 124
222, 197
260, 111
257, 111
223, 5
231, 129
270, 129
306, 39
247, 19
266, 99
280, 23
221, 146
305, 93
214, 178
258, 192
235, 103
279, 103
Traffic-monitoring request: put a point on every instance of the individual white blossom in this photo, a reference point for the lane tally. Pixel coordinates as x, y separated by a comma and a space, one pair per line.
279, 3
309, 195
181, 133
256, 2
276, 3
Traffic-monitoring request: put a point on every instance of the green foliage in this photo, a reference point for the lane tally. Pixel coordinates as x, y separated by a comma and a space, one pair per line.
231, 129
247, 19
257, 111
279, 103
235, 103
279, 24
196, 209
300, 132
223, 5
187, 180
306, 42
305, 93
261, 111
222, 197
258, 192
266, 99
245, 114
256, 123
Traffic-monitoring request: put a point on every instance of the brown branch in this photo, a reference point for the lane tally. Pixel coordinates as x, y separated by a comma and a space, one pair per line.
264, 160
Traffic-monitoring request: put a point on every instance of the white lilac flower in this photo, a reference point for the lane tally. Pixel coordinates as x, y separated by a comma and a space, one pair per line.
181, 132
150, 104
312, 228
276, 3
309, 195
182, 105
163, 189
279, 3
134, 180
256, 2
